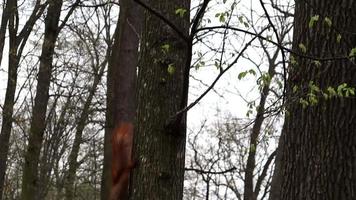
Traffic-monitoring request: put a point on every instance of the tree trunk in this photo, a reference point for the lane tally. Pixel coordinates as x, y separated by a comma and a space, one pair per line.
121, 100
109, 122
251, 192
17, 43
8, 108
4, 20
159, 153
38, 121
82, 122
316, 157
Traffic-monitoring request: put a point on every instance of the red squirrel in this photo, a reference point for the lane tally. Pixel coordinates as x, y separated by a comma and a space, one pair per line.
121, 141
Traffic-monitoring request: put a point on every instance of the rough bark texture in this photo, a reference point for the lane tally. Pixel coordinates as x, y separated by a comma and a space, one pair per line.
160, 155
38, 121
316, 157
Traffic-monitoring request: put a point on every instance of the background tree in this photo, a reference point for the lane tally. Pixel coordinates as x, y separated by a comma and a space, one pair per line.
17, 42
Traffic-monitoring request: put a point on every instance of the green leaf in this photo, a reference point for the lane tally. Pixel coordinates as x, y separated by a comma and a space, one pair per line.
338, 38
171, 69
293, 61
251, 71
304, 102
242, 75
341, 88
246, 24
165, 48
352, 52
295, 88
222, 18
317, 63
312, 20
241, 19
181, 12
331, 91
302, 47
328, 21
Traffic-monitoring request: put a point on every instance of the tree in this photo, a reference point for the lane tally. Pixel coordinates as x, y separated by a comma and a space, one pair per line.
315, 157
121, 101
159, 141
17, 43
38, 122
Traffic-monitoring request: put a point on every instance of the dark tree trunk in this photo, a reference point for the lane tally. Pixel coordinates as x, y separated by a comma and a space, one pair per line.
121, 88
38, 121
251, 192
17, 42
160, 154
78, 139
109, 120
316, 157
8, 108
4, 20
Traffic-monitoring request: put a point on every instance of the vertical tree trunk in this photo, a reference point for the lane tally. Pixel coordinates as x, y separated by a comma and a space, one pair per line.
121, 100
4, 20
17, 43
160, 154
38, 121
249, 190
78, 139
109, 123
8, 108
316, 157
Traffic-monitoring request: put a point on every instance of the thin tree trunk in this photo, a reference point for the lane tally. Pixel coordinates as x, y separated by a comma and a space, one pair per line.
8, 108
109, 119
316, 157
4, 20
249, 192
17, 43
159, 149
121, 101
78, 139
38, 121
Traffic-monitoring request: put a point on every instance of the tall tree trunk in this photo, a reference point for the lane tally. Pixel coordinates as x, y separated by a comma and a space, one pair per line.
316, 157
249, 190
78, 139
121, 101
17, 42
8, 108
38, 121
4, 20
109, 123
159, 150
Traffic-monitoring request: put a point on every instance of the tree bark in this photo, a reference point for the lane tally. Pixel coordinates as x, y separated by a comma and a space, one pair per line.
159, 153
38, 121
109, 123
122, 75
316, 155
